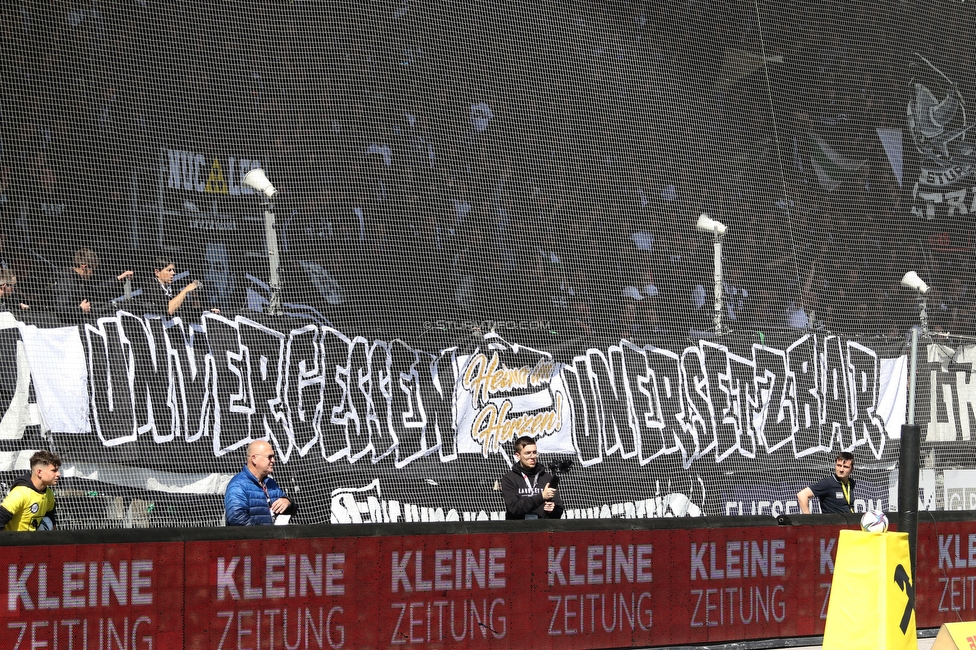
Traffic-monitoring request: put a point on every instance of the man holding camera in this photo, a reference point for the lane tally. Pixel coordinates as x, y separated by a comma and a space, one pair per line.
529, 491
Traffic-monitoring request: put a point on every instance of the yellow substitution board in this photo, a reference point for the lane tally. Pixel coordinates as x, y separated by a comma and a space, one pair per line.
956, 636
872, 597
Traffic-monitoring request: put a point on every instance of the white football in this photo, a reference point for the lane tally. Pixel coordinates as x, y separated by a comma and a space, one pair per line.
874, 521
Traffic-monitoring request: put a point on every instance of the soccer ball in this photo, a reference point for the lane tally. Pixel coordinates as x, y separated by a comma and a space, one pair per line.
874, 521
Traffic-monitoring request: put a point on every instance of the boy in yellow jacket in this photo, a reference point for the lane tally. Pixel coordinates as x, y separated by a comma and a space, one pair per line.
31, 499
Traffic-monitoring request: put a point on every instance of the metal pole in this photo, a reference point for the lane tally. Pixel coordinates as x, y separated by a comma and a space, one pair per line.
908, 456
271, 234
718, 283
923, 316
162, 208
912, 369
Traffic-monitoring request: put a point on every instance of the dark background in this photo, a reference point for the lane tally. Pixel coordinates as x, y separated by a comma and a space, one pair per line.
443, 164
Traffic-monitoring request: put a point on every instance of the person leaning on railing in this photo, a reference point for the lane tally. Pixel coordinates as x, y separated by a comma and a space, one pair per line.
835, 492
162, 298
10, 297
78, 296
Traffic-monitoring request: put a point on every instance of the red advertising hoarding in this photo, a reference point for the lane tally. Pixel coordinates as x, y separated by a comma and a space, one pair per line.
947, 572
93, 597
587, 589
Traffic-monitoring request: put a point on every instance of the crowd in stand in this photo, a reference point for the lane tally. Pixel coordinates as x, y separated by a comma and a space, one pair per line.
82, 293
458, 163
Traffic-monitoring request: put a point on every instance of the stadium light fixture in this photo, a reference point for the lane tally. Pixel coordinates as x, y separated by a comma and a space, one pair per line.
717, 228
912, 281
257, 180
707, 224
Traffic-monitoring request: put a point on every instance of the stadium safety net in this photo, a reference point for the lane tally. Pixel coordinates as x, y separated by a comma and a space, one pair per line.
485, 226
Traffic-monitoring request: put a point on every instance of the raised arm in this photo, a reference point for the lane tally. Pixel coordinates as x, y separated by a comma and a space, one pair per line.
177, 301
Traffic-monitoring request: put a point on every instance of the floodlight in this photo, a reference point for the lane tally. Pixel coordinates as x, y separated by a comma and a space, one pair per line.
256, 180
912, 281
707, 224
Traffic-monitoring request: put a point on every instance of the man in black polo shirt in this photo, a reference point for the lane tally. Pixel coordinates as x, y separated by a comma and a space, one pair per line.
835, 492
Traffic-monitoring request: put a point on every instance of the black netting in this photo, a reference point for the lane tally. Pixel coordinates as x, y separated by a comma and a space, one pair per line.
484, 225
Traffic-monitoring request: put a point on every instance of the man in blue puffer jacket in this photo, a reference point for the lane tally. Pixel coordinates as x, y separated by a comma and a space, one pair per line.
253, 498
